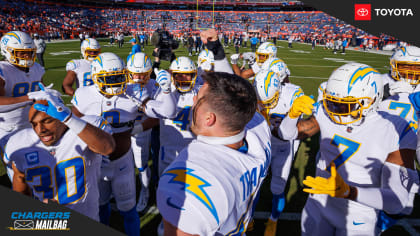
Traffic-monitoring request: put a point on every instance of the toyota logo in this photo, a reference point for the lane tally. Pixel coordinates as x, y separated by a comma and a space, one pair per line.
362, 12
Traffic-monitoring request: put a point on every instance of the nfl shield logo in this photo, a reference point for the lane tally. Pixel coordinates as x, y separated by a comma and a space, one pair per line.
108, 103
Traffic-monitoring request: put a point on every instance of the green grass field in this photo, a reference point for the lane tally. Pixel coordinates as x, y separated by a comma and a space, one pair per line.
308, 69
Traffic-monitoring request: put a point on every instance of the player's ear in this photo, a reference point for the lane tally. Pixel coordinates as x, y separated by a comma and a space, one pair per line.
210, 119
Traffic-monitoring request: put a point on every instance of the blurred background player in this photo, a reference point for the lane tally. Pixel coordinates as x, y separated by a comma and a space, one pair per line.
275, 98
40, 49
79, 70
106, 99
264, 52
59, 158
19, 75
364, 155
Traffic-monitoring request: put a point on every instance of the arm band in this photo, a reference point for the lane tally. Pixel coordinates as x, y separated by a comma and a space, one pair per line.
288, 129
75, 124
393, 195
217, 49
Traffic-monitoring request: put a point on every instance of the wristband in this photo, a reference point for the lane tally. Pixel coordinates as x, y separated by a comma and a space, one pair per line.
75, 124
217, 49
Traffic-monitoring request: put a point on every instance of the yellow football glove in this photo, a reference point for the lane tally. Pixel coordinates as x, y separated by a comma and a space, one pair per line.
302, 104
334, 185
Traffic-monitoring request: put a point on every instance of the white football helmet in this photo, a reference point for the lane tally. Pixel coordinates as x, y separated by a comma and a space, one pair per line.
264, 52
139, 68
90, 49
268, 87
405, 64
184, 73
277, 66
18, 48
109, 74
206, 60
353, 91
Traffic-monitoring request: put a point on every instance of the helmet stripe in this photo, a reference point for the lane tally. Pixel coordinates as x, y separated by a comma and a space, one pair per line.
99, 60
267, 82
360, 74
14, 35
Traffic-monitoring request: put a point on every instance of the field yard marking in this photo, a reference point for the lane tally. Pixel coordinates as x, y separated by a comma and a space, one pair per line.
337, 60
307, 77
63, 53
300, 51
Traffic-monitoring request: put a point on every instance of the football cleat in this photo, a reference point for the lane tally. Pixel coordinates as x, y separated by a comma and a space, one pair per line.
270, 228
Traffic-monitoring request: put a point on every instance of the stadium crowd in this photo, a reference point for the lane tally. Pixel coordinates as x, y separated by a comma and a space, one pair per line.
67, 22
214, 128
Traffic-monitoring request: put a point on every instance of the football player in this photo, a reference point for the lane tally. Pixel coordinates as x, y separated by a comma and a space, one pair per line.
58, 158
139, 67
105, 98
402, 80
275, 99
19, 74
366, 159
264, 52
78, 70
184, 86
192, 197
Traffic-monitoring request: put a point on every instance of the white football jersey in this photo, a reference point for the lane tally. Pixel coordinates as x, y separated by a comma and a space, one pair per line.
18, 83
175, 133
142, 93
61, 172
359, 152
289, 92
198, 200
82, 68
119, 111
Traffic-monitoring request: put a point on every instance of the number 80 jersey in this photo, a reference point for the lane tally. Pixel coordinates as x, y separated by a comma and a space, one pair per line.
67, 172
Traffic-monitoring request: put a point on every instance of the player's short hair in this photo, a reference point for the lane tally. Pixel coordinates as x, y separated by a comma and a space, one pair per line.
231, 97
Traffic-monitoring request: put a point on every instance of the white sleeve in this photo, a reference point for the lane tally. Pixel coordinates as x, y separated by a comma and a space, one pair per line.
11, 107
163, 106
222, 66
393, 195
71, 65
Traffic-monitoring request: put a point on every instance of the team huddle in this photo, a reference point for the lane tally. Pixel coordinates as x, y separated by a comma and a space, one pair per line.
221, 128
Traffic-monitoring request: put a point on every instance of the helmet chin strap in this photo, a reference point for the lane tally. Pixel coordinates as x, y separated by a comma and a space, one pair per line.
222, 140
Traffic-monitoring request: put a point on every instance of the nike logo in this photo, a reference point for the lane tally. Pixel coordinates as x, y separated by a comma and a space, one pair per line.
168, 201
122, 168
357, 223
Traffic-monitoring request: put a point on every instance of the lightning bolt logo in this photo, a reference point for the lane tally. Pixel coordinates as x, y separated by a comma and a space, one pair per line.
275, 62
411, 127
298, 92
404, 50
194, 185
146, 59
267, 82
360, 74
14, 35
99, 60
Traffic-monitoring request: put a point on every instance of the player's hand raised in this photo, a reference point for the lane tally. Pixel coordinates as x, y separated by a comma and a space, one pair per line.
333, 186
302, 104
163, 78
